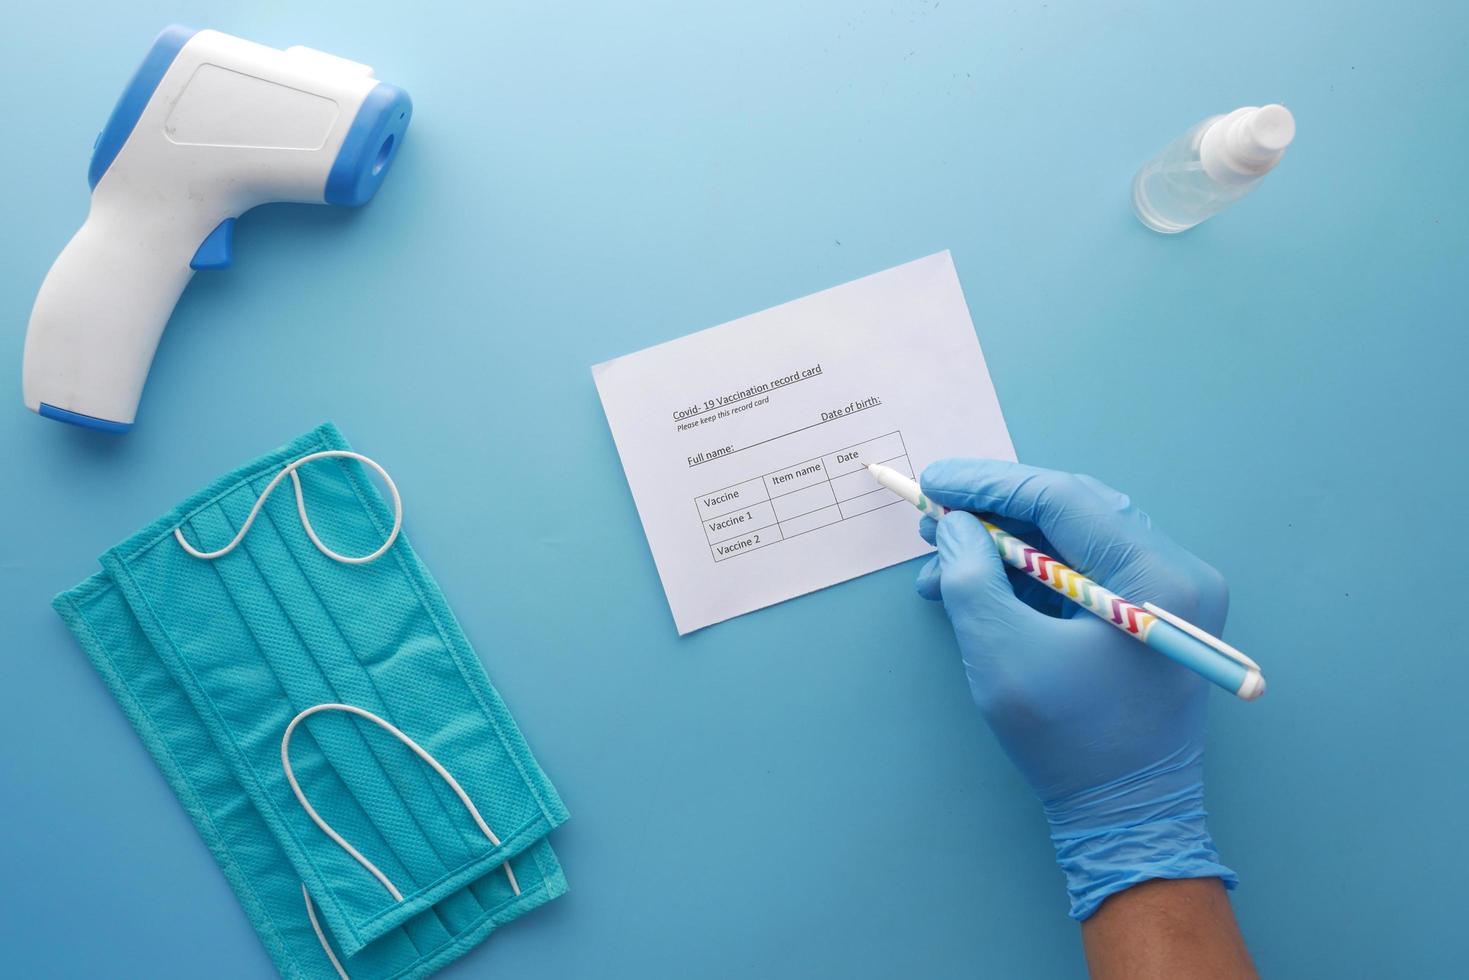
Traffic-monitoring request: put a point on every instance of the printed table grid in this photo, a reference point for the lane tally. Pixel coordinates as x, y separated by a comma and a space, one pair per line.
786, 503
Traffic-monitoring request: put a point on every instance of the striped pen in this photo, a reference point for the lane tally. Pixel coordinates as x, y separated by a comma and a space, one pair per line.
1175, 638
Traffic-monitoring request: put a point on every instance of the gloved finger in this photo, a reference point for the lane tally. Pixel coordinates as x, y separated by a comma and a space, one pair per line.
1119, 501
928, 580
1039, 597
1031, 592
1027, 590
976, 591
1026, 532
1087, 532
928, 528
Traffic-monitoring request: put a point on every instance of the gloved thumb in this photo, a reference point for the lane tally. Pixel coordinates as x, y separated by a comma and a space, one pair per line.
972, 576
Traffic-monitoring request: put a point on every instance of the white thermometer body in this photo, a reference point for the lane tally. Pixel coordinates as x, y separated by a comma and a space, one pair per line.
209, 127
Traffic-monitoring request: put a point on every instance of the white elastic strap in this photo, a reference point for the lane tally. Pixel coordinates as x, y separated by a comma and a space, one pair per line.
321, 936
301, 509
419, 751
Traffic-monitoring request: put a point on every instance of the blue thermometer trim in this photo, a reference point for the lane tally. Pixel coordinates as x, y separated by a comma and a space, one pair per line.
369, 146
135, 98
85, 421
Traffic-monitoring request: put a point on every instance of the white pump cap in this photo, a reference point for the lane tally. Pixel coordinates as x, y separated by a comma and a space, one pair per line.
1246, 143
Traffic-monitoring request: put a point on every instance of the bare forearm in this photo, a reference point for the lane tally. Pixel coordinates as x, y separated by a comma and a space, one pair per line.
1174, 929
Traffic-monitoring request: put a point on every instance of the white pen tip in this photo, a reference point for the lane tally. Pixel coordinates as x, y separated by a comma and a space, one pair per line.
1252, 687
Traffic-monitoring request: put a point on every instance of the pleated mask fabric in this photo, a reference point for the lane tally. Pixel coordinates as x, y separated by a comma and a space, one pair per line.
418, 817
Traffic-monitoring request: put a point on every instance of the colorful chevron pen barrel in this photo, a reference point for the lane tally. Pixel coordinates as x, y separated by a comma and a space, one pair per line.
1175, 638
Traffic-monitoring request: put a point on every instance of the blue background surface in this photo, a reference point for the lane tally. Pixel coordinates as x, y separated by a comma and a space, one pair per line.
805, 791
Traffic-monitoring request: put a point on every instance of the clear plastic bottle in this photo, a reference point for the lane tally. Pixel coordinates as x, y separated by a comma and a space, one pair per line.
1210, 167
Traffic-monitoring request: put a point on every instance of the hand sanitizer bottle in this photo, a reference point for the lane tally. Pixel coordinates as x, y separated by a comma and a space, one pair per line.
1210, 167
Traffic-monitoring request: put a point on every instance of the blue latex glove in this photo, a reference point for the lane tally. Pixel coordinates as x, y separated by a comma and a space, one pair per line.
1109, 733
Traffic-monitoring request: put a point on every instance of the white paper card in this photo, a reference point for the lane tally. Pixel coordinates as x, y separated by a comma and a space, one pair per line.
745, 444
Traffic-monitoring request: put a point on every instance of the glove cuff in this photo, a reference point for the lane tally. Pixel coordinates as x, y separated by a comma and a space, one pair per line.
1110, 860
1148, 824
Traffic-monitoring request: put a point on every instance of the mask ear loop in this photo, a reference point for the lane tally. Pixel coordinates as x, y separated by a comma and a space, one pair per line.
290, 468
419, 751
321, 936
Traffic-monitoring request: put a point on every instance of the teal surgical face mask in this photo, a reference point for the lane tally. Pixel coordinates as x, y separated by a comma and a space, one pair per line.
312, 701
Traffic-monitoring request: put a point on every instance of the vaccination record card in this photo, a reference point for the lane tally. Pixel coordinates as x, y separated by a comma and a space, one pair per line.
746, 444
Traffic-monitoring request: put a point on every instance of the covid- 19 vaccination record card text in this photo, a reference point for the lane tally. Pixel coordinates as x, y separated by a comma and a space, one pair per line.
746, 444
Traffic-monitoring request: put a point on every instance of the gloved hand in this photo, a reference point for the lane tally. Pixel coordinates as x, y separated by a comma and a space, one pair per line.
1107, 732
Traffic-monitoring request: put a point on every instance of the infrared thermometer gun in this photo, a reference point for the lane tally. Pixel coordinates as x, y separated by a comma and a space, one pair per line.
209, 127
